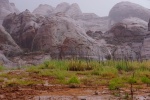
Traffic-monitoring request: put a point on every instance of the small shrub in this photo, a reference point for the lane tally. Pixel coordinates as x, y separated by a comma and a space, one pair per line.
79, 66
115, 84
74, 79
146, 80
74, 82
132, 80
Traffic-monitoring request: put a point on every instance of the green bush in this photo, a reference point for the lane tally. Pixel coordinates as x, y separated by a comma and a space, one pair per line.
74, 80
146, 80
115, 84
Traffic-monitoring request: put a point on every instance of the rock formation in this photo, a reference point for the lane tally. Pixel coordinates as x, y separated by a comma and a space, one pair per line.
66, 32
7, 44
88, 21
125, 10
145, 51
22, 28
127, 37
43, 10
6, 8
58, 35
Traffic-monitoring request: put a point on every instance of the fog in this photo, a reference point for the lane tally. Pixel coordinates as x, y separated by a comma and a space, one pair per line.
99, 7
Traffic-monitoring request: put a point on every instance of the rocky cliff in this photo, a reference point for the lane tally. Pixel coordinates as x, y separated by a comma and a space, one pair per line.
127, 38
59, 35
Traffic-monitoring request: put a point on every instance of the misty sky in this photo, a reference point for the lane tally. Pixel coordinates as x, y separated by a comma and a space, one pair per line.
99, 7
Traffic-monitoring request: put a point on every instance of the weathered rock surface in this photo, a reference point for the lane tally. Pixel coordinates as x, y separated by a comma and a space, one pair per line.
6, 8
149, 25
63, 38
43, 10
22, 28
125, 10
88, 21
145, 51
7, 44
58, 35
72, 10
3, 59
127, 38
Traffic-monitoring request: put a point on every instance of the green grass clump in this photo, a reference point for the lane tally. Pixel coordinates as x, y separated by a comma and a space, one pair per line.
79, 66
146, 80
74, 80
107, 72
123, 66
115, 84
21, 82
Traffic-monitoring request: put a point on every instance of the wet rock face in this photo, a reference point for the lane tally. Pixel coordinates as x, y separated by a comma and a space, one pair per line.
127, 38
124, 10
22, 28
129, 30
50, 35
95, 35
145, 52
63, 38
7, 44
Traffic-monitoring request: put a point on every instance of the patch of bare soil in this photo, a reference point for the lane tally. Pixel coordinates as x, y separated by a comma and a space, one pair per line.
60, 92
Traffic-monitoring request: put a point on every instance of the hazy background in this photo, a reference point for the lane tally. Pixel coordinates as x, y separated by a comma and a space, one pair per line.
99, 7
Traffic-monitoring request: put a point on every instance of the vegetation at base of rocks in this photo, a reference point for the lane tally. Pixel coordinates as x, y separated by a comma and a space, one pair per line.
75, 73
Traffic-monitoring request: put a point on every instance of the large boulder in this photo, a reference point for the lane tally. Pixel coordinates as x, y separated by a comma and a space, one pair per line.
22, 27
6, 8
43, 10
7, 44
127, 37
125, 10
63, 37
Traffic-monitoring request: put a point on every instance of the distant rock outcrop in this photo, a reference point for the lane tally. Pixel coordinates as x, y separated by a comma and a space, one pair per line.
6, 8
43, 10
88, 21
128, 37
125, 10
